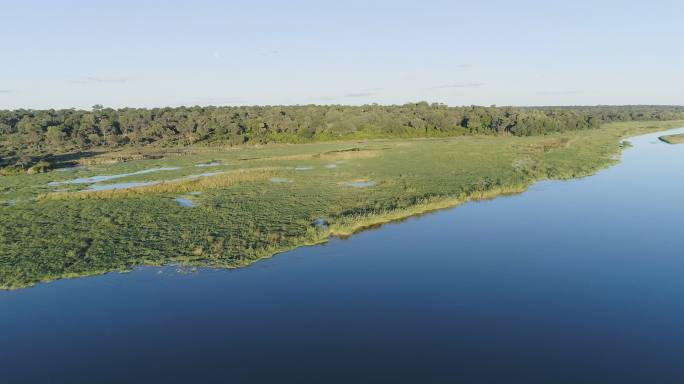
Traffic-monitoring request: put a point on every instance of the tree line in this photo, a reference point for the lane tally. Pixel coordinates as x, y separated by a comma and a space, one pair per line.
37, 132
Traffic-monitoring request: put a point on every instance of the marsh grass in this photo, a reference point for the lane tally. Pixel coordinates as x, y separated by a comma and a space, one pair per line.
348, 225
335, 155
242, 216
222, 180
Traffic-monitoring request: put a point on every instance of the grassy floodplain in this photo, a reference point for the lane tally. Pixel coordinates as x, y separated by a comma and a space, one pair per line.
673, 139
253, 202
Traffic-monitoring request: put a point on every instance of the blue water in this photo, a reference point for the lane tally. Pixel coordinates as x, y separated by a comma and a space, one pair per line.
570, 282
205, 174
132, 184
185, 202
279, 180
117, 186
360, 184
101, 178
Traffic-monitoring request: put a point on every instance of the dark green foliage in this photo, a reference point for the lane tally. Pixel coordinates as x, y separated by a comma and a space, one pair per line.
40, 167
36, 133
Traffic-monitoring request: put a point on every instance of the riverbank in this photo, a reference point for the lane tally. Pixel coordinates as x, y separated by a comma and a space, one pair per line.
235, 224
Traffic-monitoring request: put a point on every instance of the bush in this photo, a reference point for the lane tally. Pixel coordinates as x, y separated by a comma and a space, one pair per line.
40, 167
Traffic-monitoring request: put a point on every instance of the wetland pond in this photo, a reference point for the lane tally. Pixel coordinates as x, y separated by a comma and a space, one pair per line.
578, 281
360, 184
184, 202
103, 178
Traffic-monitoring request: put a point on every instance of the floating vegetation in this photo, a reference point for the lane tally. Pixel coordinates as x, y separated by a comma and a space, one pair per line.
186, 270
672, 139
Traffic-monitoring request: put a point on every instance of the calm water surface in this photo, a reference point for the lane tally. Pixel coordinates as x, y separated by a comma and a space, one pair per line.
570, 282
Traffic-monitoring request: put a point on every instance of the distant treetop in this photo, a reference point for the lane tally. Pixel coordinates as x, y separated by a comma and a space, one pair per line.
31, 132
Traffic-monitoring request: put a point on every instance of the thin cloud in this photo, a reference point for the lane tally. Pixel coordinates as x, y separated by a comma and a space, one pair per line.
365, 93
360, 94
212, 101
326, 98
568, 92
8, 91
458, 85
99, 80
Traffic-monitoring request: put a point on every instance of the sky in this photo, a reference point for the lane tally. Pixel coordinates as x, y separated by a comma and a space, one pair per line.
74, 54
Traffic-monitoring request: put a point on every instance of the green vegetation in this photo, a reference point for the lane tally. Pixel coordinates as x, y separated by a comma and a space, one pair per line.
222, 180
52, 136
243, 211
673, 139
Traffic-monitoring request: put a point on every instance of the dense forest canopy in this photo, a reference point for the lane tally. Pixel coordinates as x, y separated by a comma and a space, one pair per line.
40, 132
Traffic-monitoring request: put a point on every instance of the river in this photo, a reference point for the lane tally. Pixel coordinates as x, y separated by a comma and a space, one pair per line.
570, 282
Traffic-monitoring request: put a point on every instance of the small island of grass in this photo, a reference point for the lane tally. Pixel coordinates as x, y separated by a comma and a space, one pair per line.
673, 139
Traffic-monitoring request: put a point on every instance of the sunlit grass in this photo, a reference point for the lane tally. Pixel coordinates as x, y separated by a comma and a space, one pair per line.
222, 180
242, 216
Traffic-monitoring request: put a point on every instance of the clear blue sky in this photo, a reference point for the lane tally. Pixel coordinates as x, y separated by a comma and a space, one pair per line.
61, 54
